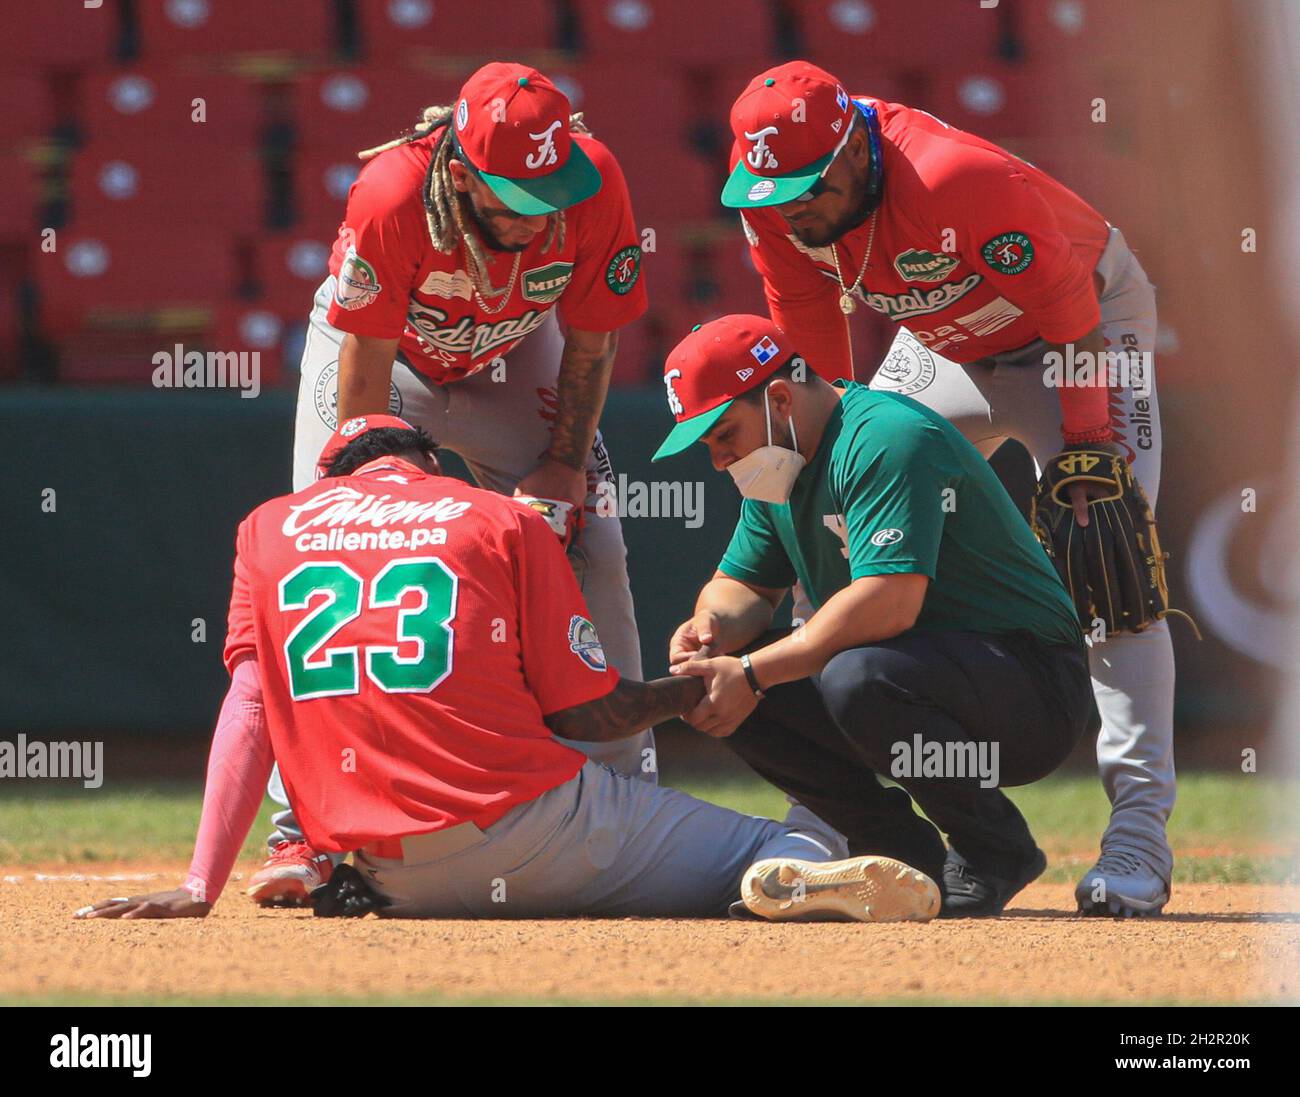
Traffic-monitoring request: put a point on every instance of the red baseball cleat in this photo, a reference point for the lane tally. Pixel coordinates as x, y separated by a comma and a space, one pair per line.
289, 875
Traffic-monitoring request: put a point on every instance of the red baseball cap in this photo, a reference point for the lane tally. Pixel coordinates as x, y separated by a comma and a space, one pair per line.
789, 122
351, 429
713, 365
512, 126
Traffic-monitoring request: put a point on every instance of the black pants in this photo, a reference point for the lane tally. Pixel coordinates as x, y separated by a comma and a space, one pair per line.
824, 739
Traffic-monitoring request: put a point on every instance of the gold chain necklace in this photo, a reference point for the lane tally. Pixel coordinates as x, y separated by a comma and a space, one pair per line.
478, 276
847, 304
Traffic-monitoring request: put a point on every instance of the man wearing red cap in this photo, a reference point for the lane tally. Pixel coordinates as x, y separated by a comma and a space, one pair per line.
943, 649
462, 245
1006, 285
406, 645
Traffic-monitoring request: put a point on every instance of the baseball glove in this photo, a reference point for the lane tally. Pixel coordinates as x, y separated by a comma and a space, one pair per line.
1113, 568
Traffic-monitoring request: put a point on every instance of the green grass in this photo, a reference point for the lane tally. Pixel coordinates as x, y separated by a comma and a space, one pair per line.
1226, 828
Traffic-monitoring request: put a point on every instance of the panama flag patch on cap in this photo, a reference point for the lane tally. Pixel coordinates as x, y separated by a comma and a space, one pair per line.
764, 350
841, 98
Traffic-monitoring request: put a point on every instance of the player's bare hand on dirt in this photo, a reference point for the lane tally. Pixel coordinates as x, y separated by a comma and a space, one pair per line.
1080, 494
729, 701
553, 480
694, 639
161, 904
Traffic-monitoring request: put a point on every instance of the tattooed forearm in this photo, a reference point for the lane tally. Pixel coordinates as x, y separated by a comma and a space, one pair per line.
580, 394
631, 707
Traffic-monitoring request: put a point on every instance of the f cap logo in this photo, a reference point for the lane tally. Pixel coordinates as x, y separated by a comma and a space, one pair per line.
545, 154
760, 156
674, 402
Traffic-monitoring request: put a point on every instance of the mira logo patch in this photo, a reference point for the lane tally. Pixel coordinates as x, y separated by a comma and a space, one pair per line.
585, 644
545, 284
915, 265
1009, 253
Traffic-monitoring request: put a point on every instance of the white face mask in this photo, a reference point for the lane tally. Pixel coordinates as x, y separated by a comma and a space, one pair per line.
768, 474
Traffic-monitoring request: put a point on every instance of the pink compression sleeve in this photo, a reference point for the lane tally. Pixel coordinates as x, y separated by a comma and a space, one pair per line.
238, 768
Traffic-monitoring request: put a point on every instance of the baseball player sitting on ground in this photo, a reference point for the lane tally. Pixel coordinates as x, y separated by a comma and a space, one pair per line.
1023, 288
405, 644
943, 650
459, 246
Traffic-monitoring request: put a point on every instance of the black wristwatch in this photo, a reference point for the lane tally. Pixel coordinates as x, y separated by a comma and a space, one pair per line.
749, 676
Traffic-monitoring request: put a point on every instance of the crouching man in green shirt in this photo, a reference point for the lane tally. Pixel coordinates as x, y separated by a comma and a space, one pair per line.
943, 651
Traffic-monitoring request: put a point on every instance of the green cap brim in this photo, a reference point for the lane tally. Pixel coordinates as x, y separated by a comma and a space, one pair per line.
739, 193
575, 182
689, 431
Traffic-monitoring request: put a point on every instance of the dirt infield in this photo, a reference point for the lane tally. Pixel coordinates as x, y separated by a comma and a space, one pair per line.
1217, 943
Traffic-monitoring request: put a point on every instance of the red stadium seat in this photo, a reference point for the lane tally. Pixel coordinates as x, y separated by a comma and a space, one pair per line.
254, 329
917, 35
160, 188
29, 110
20, 209
686, 31
177, 28
1001, 102
321, 184
394, 28
157, 103
345, 110
287, 271
667, 178
110, 268
57, 35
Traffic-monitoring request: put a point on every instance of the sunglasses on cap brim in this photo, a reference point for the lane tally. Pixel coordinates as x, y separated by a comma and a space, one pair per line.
818, 185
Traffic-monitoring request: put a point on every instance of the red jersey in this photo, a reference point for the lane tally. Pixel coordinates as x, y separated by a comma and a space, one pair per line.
976, 252
411, 632
395, 283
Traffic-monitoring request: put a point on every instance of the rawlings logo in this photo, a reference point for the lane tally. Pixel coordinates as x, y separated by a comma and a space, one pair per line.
760, 156
545, 154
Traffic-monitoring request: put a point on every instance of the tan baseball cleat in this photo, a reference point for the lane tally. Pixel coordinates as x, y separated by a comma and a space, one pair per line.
860, 889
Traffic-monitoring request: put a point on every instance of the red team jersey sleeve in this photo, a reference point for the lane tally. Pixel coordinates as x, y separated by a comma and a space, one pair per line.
1009, 233
378, 251
240, 625
564, 664
606, 290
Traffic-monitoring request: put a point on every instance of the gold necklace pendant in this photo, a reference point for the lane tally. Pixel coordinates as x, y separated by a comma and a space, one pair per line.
847, 305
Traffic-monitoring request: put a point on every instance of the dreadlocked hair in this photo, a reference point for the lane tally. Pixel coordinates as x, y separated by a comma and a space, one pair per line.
444, 204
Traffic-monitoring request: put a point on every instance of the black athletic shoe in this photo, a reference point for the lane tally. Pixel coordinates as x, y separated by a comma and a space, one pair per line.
969, 893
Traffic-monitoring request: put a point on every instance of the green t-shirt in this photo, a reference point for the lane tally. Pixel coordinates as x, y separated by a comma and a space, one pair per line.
895, 488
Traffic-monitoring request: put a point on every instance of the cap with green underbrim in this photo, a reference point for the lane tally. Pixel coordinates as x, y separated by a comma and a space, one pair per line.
689, 431
576, 181
745, 190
